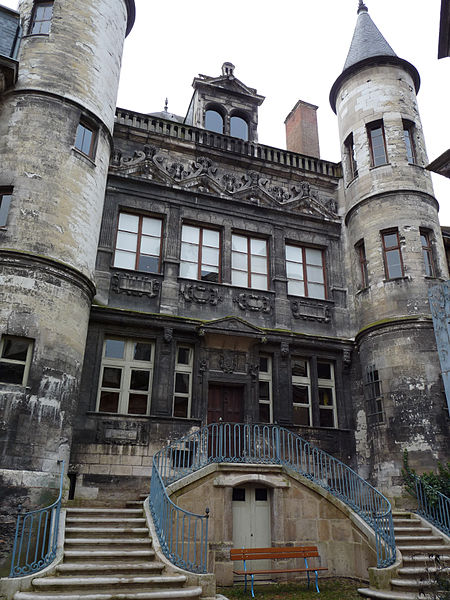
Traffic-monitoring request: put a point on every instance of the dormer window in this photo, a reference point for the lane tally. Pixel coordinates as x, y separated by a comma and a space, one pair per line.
213, 121
239, 128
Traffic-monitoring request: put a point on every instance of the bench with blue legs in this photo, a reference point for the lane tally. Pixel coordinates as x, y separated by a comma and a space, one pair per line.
285, 553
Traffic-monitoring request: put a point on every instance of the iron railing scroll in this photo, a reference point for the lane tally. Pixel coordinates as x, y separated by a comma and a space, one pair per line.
255, 444
433, 506
36, 538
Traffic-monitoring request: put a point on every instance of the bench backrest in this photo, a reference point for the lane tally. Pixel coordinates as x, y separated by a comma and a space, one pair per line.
274, 553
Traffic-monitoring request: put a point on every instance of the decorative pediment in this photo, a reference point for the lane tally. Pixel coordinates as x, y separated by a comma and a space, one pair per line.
204, 176
230, 325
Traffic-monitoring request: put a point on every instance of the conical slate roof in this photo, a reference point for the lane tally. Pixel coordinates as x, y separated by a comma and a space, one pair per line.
367, 40
369, 47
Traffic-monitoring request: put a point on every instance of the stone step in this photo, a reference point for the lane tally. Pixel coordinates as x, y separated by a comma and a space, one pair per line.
126, 541
107, 584
411, 584
407, 522
134, 504
113, 520
425, 560
122, 569
422, 549
177, 594
423, 571
91, 531
412, 530
425, 540
110, 555
115, 512
387, 594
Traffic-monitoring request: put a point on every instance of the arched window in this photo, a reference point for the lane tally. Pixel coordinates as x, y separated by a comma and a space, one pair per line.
213, 121
239, 128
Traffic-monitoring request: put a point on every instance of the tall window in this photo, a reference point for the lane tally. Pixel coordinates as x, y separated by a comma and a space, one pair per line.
15, 359
352, 166
85, 139
249, 262
5, 202
239, 128
213, 121
408, 134
393, 262
41, 18
427, 252
200, 253
377, 141
362, 262
327, 394
138, 244
183, 382
305, 270
374, 396
126, 377
265, 389
301, 391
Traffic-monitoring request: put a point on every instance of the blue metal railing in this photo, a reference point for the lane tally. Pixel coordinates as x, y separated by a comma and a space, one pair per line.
36, 538
266, 444
433, 506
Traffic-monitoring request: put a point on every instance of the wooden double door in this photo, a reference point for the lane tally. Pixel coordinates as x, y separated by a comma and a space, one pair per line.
225, 403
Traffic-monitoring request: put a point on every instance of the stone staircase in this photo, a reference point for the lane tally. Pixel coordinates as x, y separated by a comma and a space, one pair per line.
423, 554
108, 555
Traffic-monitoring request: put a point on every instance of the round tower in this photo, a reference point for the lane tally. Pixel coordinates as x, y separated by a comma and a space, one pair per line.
55, 143
396, 252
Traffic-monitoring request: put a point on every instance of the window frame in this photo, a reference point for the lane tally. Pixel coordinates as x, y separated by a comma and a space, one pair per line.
427, 251
249, 255
214, 108
409, 138
304, 381
86, 126
139, 236
245, 120
371, 128
5, 205
387, 249
360, 249
266, 377
372, 383
126, 364
349, 152
201, 246
329, 384
185, 369
36, 5
305, 265
26, 363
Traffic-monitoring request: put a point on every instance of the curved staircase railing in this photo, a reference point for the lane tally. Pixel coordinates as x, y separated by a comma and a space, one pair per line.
36, 537
184, 535
432, 505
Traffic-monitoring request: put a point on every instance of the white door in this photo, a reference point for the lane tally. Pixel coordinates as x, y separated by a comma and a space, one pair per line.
251, 522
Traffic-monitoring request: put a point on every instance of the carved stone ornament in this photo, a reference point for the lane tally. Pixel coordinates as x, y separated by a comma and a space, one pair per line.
253, 302
168, 334
253, 370
122, 432
309, 311
135, 285
228, 362
200, 294
284, 350
347, 357
203, 175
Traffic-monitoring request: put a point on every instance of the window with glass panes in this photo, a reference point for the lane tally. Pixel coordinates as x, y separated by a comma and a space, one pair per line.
305, 271
362, 261
183, 382
377, 142
41, 19
408, 135
200, 253
265, 389
427, 252
301, 391
393, 262
249, 262
126, 376
352, 167
5, 202
15, 359
138, 243
327, 394
85, 138
372, 387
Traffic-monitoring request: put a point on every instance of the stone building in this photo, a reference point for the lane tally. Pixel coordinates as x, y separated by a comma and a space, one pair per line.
162, 272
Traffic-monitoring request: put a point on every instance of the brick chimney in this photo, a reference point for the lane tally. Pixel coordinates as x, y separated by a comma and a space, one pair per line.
302, 135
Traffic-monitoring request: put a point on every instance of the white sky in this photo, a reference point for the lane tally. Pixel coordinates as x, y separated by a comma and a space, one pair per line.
288, 50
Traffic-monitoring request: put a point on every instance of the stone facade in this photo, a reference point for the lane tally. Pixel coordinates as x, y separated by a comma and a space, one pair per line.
174, 272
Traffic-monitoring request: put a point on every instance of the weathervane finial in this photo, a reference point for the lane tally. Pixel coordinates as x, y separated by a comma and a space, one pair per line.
362, 7
166, 105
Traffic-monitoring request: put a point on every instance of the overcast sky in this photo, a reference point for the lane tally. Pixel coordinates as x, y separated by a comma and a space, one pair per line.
288, 50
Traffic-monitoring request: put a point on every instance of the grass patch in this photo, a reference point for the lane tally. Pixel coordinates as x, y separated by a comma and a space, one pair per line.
330, 589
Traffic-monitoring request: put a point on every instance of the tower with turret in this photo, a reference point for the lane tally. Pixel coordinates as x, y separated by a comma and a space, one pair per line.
56, 120
394, 253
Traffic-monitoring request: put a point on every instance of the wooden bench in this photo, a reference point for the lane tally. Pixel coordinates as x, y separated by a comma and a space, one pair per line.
285, 553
